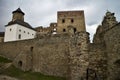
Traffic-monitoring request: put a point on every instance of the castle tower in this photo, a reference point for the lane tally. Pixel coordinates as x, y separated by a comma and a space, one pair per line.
70, 20
109, 20
18, 15
18, 29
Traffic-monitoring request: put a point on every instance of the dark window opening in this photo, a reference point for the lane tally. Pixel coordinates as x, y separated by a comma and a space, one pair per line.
19, 37
64, 30
63, 20
28, 33
31, 49
72, 20
20, 63
75, 30
20, 30
24, 31
10, 29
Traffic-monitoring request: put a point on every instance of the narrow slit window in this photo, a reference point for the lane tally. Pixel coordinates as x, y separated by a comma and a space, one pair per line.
72, 20
63, 20
19, 37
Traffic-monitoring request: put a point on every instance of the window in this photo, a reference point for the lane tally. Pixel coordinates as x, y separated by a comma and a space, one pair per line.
10, 29
24, 31
64, 30
19, 37
19, 30
72, 20
75, 30
63, 20
31, 49
28, 33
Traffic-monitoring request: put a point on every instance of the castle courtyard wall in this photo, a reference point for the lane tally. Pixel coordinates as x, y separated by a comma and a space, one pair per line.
112, 41
47, 55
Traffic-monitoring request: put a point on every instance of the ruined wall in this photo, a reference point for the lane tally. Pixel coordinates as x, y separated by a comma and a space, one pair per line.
78, 56
47, 55
97, 62
112, 41
64, 55
50, 55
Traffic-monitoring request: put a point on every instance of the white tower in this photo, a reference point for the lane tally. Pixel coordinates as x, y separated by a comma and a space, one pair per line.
17, 29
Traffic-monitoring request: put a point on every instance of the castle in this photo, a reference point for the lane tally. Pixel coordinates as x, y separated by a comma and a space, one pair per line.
64, 49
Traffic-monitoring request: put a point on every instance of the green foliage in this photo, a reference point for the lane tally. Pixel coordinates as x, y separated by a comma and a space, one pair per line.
14, 72
4, 60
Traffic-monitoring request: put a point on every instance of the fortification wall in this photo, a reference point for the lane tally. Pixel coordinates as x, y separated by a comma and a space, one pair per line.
47, 55
12, 49
112, 41
97, 62
64, 55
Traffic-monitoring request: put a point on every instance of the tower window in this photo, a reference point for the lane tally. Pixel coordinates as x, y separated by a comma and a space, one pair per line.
19, 37
24, 31
64, 30
19, 30
75, 30
28, 33
10, 29
63, 20
72, 20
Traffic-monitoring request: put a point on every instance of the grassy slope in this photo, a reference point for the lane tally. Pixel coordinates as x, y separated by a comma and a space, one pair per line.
15, 72
4, 60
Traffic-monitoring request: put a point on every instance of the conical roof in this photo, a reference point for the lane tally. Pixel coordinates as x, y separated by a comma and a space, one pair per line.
19, 11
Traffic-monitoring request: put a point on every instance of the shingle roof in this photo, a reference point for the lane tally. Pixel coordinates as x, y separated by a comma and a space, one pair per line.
25, 24
19, 11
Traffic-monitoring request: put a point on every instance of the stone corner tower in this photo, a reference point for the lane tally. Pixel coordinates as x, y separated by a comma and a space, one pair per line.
18, 15
67, 20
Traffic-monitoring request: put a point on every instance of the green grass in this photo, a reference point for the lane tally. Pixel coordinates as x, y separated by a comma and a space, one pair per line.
4, 60
14, 72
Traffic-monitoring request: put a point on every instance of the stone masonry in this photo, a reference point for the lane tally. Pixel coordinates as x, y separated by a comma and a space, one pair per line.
70, 54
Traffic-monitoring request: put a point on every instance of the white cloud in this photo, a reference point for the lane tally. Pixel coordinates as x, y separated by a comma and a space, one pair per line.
43, 12
91, 29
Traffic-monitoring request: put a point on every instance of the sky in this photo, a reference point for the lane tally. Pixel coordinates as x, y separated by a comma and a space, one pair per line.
43, 12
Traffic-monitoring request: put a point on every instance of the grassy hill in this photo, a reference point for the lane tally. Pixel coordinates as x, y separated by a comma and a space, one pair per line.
17, 73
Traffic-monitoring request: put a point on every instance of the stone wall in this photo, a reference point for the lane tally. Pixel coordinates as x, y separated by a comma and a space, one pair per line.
1, 39
47, 55
97, 62
78, 56
112, 41
64, 55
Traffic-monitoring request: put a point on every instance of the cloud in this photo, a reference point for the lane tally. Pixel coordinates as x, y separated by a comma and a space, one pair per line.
43, 12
